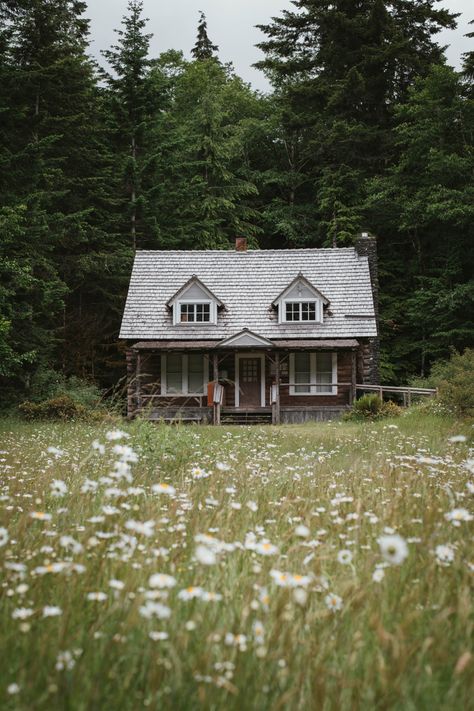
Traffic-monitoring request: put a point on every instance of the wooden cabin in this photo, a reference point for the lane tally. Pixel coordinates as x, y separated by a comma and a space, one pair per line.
243, 335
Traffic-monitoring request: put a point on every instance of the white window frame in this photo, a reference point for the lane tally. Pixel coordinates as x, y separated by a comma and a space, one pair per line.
177, 312
238, 357
284, 302
313, 388
184, 376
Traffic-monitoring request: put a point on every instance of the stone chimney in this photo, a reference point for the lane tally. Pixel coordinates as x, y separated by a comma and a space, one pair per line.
240, 244
366, 246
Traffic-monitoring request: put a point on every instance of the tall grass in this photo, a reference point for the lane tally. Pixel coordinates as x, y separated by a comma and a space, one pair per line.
403, 642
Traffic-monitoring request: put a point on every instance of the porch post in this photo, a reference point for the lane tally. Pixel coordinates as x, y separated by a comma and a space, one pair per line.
216, 406
353, 391
277, 383
138, 378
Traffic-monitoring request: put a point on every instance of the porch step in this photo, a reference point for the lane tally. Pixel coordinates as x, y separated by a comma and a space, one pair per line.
246, 417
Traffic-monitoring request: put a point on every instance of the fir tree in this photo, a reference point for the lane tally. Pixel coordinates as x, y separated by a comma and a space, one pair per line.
133, 105
203, 49
338, 69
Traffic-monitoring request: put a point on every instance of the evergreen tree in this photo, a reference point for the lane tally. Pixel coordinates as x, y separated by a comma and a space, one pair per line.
133, 105
204, 192
338, 69
424, 205
203, 49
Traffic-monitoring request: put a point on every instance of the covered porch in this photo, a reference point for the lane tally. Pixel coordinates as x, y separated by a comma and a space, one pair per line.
244, 380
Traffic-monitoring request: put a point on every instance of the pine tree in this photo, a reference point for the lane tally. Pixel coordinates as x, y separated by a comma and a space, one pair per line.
425, 207
133, 105
204, 191
203, 49
338, 70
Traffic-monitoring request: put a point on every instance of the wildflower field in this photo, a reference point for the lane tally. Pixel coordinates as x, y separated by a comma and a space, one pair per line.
327, 566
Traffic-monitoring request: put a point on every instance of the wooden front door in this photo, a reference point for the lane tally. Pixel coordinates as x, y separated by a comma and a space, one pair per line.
250, 380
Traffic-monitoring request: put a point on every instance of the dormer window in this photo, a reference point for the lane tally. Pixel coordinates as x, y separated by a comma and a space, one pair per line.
300, 303
302, 310
199, 312
194, 304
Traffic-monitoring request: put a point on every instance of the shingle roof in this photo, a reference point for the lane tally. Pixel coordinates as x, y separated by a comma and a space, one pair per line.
247, 283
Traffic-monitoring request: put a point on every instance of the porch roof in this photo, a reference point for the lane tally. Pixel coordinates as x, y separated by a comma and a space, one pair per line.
313, 343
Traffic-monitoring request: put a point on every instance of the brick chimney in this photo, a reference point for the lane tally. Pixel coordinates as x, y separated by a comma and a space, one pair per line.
240, 244
366, 246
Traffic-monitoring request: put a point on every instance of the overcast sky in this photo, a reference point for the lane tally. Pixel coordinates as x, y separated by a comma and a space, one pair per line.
231, 25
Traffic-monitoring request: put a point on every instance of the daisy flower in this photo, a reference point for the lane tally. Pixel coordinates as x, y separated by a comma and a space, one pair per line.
190, 593
163, 489
161, 580
333, 602
458, 515
205, 555
40, 516
155, 609
393, 548
3, 536
52, 611
344, 557
263, 548
444, 555
58, 488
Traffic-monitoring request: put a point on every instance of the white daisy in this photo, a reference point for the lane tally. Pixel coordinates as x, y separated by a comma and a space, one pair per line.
393, 548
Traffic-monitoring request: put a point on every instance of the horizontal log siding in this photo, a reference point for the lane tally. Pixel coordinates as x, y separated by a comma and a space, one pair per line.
344, 371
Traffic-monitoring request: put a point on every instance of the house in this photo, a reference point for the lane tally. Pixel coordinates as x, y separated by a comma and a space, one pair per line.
251, 335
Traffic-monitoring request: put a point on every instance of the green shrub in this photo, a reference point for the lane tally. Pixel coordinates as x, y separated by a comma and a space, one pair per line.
455, 382
371, 407
62, 407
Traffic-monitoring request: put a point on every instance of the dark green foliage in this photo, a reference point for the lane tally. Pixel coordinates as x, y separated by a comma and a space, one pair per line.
203, 49
366, 128
372, 407
455, 382
62, 407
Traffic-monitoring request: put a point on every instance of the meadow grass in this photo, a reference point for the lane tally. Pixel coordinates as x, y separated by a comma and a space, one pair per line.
335, 625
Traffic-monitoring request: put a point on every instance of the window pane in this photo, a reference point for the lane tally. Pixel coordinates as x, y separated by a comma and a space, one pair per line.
308, 311
302, 372
301, 311
203, 312
174, 373
195, 373
324, 372
187, 313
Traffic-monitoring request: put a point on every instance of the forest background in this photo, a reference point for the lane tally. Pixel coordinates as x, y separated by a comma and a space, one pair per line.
366, 128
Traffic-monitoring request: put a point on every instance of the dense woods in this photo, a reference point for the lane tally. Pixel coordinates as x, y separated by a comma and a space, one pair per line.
366, 127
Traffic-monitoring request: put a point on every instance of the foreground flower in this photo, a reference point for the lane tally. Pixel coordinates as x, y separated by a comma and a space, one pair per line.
458, 515
155, 609
3, 536
378, 575
114, 435
205, 556
266, 549
344, 557
40, 516
163, 489
97, 596
190, 593
145, 528
52, 611
22, 613
393, 548
444, 555
333, 602
161, 580
58, 488
289, 580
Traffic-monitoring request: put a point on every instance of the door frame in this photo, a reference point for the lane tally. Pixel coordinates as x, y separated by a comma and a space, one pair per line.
238, 357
